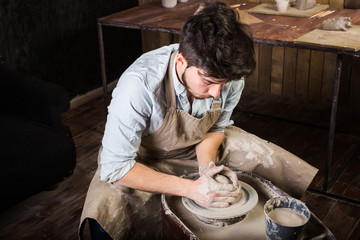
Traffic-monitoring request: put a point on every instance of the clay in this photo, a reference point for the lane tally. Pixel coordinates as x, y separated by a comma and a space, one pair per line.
337, 24
287, 217
273, 203
223, 179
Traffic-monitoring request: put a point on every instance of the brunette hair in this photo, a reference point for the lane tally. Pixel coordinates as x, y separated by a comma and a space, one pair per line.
215, 41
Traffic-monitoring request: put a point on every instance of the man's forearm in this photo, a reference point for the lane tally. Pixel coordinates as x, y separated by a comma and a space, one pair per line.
203, 190
207, 149
144, 178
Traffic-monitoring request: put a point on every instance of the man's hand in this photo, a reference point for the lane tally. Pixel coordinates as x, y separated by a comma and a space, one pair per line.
211, 168
210, 193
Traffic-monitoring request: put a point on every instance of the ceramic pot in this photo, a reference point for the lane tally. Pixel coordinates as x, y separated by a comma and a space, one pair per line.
169, 3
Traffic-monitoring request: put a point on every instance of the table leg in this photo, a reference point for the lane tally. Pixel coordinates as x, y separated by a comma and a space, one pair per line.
102, 61
332, 121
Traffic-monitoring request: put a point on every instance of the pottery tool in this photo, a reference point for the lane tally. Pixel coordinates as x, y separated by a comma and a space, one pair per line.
237, 5
225, 216
323, 14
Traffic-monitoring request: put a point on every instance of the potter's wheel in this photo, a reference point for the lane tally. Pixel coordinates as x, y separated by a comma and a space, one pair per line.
219, 216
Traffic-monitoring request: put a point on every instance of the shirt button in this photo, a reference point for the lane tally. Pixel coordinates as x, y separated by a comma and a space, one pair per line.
184, 102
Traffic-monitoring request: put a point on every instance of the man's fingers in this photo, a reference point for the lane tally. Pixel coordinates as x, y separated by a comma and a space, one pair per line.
231, 175
222, 202
215, 170
215, 194
233, 178
215, 186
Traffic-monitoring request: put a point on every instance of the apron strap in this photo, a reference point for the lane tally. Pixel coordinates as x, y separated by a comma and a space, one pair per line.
169, 90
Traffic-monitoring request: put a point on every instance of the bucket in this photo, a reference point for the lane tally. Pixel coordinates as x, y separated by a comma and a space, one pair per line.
285, 218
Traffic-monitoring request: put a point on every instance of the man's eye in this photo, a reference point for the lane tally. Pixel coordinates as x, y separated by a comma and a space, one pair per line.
208, 82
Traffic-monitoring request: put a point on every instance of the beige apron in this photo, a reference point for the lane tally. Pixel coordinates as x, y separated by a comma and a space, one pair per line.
133, 214
123, 213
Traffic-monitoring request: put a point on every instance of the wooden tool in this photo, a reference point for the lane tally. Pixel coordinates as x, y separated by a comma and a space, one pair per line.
237, 5
323, 14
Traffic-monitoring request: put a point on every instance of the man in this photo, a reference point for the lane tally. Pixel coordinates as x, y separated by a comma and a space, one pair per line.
170, 110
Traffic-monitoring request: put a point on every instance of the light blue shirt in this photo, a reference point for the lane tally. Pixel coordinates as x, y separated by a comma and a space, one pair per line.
138, 108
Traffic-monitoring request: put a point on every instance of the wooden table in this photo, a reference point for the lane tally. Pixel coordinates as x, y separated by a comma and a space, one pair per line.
274, 30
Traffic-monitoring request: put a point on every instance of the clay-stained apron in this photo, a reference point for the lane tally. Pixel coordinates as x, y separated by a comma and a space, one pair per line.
167, 149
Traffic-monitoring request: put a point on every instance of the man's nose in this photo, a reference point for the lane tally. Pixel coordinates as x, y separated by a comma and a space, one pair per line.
214, 90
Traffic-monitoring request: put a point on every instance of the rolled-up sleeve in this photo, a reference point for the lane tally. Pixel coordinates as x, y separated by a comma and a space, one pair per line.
129, 112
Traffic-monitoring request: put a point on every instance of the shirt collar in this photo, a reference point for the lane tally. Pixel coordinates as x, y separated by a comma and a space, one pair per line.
179, 88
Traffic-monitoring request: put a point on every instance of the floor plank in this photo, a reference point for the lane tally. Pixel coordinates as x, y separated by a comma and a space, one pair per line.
342, 219
348, 183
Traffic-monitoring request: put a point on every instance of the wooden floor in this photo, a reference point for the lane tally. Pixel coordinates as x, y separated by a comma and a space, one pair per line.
300, 127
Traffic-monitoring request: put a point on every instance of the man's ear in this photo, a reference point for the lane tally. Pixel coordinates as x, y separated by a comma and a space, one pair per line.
181, 61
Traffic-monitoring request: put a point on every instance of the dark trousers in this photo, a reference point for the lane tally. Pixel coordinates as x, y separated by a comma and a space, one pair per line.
96, 231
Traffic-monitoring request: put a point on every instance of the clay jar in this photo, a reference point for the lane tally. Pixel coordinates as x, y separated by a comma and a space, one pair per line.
169, 3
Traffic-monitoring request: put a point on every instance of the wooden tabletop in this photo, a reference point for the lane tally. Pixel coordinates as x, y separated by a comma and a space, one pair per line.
274, 30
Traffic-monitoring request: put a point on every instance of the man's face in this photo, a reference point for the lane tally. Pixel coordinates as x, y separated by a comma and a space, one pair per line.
199, 86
